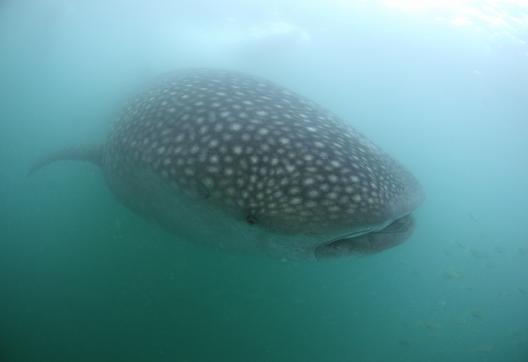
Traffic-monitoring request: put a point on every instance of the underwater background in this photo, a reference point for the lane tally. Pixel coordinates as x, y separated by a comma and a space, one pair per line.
442, 86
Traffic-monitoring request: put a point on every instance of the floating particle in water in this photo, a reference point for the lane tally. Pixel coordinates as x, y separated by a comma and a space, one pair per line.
452, 274
478, 254
484, 348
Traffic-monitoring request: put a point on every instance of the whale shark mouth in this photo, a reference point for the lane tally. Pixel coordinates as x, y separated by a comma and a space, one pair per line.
370, 242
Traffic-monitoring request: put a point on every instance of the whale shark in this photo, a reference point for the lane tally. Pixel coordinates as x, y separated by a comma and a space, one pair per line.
238, 162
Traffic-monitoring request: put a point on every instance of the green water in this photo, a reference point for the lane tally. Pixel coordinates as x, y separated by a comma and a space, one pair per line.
84, 279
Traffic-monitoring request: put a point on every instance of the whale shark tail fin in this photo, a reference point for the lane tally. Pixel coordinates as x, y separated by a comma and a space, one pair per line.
91, 153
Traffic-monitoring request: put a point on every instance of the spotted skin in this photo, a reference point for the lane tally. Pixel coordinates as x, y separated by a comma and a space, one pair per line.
254, 156
258, 150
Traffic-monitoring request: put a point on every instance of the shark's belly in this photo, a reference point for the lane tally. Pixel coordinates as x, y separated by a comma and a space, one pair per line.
193, 218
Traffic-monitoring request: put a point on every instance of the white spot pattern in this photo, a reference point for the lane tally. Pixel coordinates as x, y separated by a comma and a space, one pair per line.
252, 144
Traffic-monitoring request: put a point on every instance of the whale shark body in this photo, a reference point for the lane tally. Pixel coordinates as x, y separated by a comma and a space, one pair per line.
236, 161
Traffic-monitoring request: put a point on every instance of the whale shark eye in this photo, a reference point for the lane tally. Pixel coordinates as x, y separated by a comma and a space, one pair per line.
251, 219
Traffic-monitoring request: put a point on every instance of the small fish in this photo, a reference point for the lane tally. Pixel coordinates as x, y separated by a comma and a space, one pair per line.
461, 245
427, 324
476, 314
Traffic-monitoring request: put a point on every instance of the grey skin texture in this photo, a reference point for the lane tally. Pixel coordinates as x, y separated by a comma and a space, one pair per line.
235, 161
